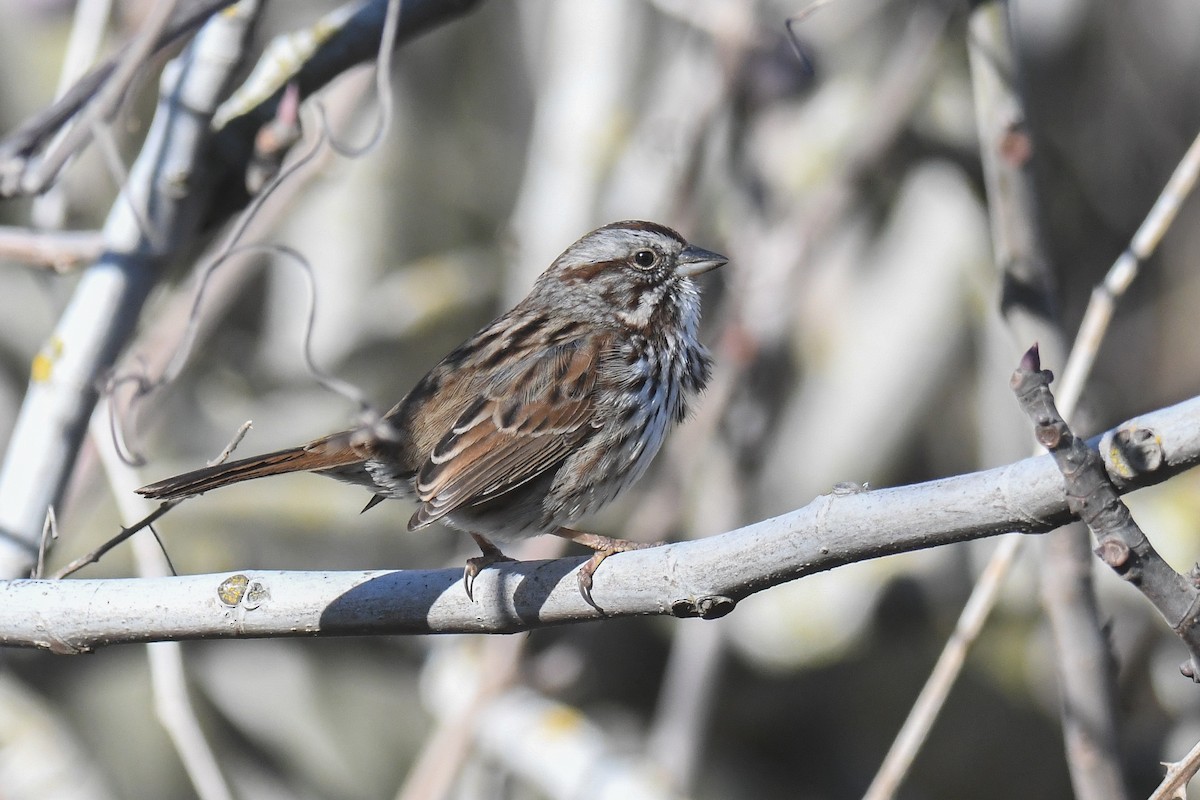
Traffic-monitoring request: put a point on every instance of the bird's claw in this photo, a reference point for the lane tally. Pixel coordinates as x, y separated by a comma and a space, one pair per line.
478, 564
585, 576
610, 547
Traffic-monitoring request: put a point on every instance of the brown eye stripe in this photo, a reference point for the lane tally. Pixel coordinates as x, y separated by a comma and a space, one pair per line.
588, 271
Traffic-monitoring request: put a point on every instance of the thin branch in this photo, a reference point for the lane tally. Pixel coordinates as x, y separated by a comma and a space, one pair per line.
932, 698
90, 23
18, 147
149, 517
49, 536
95, 555
1123, 272
704, 578
545, 743
172, 703
104, 105
1090, 495
1174, 784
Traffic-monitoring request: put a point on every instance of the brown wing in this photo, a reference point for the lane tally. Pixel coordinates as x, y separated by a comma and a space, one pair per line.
525, 422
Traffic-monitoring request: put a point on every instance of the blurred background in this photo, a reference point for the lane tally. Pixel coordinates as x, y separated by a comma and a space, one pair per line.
858, 338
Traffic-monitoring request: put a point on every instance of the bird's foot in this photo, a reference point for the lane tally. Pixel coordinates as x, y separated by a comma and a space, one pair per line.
604, 546
491, 555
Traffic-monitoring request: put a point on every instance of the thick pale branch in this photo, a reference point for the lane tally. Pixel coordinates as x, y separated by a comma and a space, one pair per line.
700, 578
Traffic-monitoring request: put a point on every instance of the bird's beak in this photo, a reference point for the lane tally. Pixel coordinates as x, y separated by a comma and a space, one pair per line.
694, 261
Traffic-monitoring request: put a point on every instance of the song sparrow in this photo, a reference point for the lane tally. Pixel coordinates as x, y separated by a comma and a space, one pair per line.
544, 415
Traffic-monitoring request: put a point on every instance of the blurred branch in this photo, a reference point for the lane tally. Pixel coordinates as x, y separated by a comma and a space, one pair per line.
1123, 272
111, 78
99, 111
172, 703
1029, 303
446, 752
355, 40
60, 251
442, 756
44, 757
703, 578
516, 731
88, 28
164, 189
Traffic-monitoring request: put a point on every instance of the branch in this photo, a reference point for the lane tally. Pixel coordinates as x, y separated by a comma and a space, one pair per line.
1028, 301
18, 148
355, 41
704, 578
1174, 784
1092, 497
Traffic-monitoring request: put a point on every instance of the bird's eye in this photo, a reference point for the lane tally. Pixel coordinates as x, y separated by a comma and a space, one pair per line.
645, 258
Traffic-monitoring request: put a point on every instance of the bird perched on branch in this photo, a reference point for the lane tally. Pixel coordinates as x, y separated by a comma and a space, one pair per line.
541, 417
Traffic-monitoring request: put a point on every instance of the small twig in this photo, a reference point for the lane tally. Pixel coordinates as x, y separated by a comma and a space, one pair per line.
238, 435
1092, 497
149, 519
49, 534
98, 553
1174, 783
790, 24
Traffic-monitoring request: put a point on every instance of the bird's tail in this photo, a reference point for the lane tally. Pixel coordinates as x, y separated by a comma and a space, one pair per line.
312, 457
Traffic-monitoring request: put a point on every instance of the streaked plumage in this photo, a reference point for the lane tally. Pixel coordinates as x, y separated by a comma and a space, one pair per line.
545, 414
